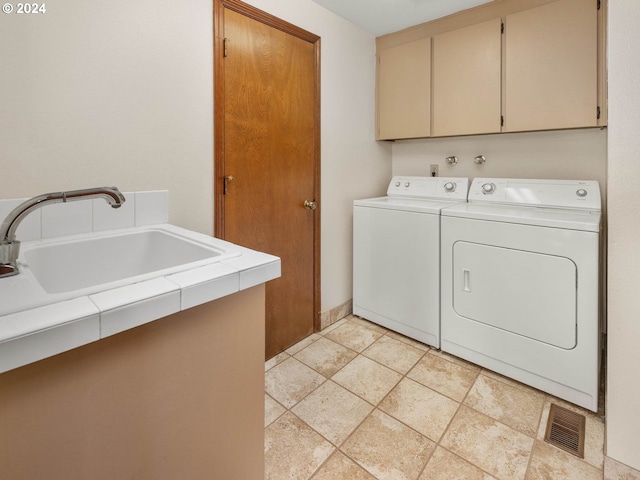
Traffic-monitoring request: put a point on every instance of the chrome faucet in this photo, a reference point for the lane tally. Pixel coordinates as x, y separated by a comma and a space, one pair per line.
10, 247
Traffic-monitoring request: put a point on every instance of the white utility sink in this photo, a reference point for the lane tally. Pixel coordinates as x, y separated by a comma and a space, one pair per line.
112, 259
60, 293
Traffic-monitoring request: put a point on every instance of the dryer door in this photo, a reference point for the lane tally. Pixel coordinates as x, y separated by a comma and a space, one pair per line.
526, 293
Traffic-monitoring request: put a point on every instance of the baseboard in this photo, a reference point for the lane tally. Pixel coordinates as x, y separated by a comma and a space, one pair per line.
614, 470
331, 316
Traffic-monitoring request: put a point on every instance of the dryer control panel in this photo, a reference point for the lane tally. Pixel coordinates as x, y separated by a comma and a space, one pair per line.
579, 194
452, 188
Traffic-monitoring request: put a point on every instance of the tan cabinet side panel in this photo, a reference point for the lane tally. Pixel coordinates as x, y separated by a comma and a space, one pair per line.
551, 67
404, 91
466, 80
178, 398
602, 63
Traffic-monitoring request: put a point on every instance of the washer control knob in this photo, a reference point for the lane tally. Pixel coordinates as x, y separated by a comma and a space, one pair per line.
406, 184
397, 184
581, 192
450, 187
488, 188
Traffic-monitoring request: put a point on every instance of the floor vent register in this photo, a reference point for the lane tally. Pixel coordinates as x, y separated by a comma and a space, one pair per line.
566, 430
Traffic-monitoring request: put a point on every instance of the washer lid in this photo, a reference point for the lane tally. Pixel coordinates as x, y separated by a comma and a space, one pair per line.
432, 206
583, 220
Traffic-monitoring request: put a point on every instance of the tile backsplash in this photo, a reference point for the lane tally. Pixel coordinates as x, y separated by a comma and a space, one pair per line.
140, 208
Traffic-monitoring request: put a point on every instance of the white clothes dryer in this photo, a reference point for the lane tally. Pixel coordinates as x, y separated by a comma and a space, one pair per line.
396, 254
520, 283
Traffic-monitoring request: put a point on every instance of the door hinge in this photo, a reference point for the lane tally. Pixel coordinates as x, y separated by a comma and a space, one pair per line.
598, 4
226, 40
502, 120
598, 113
502, 27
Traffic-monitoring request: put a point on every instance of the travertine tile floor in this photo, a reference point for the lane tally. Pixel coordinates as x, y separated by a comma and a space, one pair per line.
358, 402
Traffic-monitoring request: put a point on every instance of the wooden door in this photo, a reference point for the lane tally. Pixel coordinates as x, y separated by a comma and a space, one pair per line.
551, 67
404, 91
267, 159
466, 80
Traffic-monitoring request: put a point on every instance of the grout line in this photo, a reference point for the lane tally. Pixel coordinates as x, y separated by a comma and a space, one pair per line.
274, 420
459, 403
271, 368
338, 344
526, 471
326, 460
444, 433
497, 421
467, 461
377, 406
478, 373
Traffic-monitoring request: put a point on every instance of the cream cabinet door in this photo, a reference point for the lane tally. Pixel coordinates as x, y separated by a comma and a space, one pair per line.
466, 80
551, 67
404, 91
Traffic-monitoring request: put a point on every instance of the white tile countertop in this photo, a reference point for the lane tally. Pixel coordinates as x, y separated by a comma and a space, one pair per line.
36, 324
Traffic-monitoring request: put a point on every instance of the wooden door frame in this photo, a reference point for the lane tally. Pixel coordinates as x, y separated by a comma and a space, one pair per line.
219, 126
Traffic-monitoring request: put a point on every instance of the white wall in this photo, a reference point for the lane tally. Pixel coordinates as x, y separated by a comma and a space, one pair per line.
353, 164
120, 93
623, 387
110, 93
570, 154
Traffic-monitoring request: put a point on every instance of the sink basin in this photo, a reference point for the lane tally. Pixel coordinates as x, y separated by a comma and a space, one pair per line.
115, 259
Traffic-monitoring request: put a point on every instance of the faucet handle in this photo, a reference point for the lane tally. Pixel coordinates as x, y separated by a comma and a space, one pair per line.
8, 270
9, 252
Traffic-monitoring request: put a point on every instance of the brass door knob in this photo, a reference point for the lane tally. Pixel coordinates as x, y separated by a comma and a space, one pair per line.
227, 180
310, 204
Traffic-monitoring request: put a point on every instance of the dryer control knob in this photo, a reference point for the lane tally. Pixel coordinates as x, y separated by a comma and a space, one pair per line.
450, 187
488, 188
406, 184
397, 184
581, 193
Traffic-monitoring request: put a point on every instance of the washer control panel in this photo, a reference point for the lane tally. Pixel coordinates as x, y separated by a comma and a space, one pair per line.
454, 188
583, 194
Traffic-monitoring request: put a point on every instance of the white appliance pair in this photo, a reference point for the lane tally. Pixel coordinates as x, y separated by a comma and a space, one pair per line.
508, 280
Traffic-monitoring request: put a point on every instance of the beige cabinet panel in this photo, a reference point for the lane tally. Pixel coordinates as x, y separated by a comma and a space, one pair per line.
466, 80
551, 68
404, 91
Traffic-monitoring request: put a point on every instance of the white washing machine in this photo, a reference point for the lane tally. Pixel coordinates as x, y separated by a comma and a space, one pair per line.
520, 276
396, 254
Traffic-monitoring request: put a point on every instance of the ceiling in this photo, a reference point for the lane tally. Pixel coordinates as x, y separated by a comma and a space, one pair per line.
385, 16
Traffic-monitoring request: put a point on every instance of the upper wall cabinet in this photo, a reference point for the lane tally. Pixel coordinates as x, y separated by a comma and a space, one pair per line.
551, 67
404, 91
504, 66
466, 80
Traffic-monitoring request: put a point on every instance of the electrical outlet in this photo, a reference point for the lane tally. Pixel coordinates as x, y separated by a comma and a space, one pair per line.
434, 170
